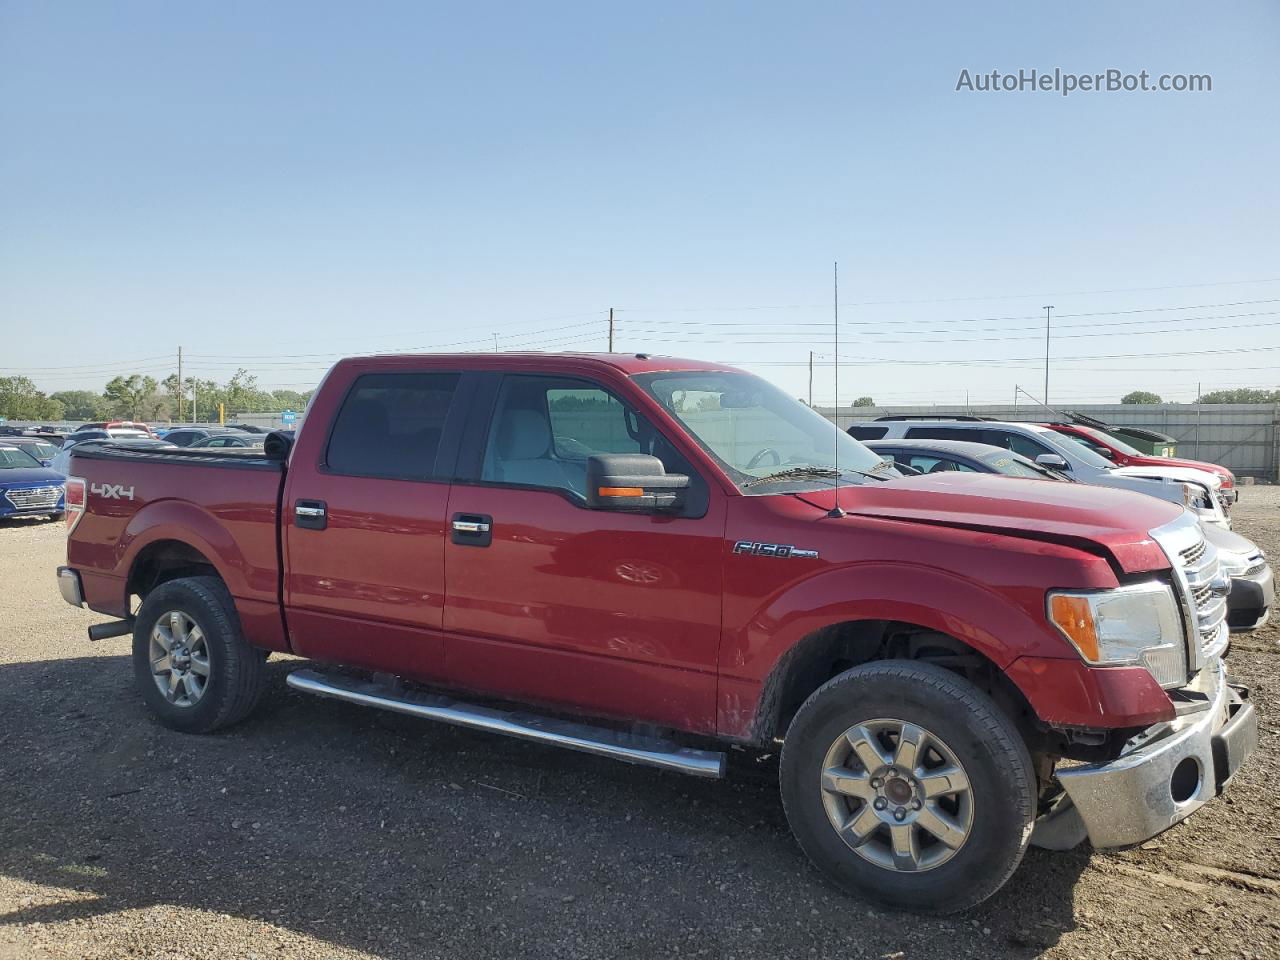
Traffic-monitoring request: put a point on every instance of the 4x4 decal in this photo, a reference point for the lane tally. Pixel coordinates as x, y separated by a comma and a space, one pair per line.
111, 491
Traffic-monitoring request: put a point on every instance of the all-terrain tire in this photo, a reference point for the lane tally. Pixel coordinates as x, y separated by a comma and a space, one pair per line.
969, 726
236, 671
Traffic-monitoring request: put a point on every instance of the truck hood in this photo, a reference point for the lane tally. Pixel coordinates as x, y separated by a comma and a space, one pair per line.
1181, 474
1101, 520
1207, 467
1228, 542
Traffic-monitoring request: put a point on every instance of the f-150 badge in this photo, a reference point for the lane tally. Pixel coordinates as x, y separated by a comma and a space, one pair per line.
758, 549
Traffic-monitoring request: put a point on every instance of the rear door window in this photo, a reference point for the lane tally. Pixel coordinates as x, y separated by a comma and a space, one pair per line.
390, 426
860, 432
940, 433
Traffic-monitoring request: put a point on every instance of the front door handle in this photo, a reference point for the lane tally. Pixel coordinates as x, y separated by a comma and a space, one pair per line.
471, 529
311, 514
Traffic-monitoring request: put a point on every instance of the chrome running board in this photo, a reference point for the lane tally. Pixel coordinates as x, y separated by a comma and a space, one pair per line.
618, 744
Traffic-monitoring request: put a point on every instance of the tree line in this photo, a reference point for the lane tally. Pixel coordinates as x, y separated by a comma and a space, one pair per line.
138, 397
1238, 395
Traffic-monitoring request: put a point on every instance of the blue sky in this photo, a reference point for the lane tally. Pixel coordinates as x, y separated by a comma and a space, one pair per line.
274, 185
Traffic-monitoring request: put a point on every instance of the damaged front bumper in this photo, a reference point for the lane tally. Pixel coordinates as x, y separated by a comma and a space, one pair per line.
1166, 773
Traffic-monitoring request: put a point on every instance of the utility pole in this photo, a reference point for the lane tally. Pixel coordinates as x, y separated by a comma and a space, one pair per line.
1015, 399
495, 343
1199, 394
611, 329
811, 378
1047, 313
180, 384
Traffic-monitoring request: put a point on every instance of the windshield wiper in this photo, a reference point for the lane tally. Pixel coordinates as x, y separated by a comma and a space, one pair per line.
811, 472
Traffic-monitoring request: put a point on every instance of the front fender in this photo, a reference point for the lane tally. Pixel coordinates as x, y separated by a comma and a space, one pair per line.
1001, 624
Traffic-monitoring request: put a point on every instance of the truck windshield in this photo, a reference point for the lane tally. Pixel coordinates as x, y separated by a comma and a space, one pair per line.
755, 431
1107, 440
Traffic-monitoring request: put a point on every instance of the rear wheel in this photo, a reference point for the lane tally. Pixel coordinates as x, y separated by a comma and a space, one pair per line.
191, 661
906, 784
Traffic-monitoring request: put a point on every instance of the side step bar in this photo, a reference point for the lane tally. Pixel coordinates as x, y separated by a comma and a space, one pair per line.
632, 748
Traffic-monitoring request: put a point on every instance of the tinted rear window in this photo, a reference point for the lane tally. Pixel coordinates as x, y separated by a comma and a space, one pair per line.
859, 432
390, 425
941, 433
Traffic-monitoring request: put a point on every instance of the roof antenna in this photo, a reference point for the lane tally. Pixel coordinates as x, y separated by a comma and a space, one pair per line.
835, 510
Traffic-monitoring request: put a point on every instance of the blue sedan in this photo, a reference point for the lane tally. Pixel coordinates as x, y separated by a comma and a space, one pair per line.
26, 488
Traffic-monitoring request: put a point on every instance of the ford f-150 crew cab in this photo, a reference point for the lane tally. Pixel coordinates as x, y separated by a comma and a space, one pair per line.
656, 559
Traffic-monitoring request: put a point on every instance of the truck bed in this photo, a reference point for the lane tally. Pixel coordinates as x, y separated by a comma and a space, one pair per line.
204, 458
216, 510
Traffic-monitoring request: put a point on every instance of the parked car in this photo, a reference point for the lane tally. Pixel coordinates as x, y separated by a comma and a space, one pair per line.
229, 440
62, 462
42, 450
1194, 488
249, 428
686, 558
186, 436
1252, 589
114, 425
106, 433
943, 456
27, 488
1112, 448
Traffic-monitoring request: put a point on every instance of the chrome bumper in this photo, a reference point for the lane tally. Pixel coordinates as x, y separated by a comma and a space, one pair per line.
69, 586
1170, 771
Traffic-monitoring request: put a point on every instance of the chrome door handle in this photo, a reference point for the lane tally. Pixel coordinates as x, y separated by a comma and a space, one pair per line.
470, 526
310, 514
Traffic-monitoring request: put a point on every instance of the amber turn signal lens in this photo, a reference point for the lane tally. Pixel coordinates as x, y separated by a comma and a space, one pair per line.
621, 491
1074, 618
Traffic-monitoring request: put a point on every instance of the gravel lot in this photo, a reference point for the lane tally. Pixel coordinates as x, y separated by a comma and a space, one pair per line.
319, 829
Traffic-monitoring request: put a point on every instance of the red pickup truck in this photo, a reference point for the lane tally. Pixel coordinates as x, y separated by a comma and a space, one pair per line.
657, 559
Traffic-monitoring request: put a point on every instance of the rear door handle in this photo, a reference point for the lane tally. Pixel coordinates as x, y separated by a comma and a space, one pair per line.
311, 514
471, 529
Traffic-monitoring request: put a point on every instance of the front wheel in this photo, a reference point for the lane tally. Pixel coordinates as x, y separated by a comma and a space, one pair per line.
191, 661
906, 784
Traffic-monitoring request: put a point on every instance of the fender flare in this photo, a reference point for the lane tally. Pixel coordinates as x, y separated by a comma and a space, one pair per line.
983, 618
190, 524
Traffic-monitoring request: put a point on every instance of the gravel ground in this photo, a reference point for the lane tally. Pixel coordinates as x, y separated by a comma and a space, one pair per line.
318, 829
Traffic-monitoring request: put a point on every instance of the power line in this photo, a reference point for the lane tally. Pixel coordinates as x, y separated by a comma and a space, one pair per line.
970, 299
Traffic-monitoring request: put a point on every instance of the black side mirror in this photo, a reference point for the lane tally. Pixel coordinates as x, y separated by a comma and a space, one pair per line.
632, 481
277, 445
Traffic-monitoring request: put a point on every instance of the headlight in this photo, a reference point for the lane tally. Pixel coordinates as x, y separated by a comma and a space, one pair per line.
1238, 564
1137, 624
1195, 497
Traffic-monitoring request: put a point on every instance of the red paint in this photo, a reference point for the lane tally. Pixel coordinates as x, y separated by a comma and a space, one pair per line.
1071, 693
649, 618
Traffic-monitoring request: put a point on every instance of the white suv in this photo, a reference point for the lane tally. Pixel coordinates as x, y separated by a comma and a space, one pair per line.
1197, 489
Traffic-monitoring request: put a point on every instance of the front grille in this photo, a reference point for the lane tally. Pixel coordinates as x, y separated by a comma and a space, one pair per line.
1199, 580
34, 498
1191, 555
